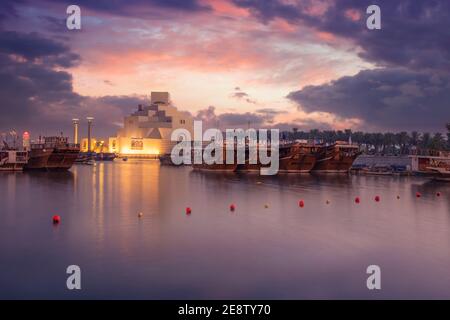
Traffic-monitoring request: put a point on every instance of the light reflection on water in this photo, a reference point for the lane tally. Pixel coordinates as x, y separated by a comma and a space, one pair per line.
283, 251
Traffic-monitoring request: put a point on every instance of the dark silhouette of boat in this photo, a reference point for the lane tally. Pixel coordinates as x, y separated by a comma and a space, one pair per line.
336, 158
52, 153
105, 156
296, 157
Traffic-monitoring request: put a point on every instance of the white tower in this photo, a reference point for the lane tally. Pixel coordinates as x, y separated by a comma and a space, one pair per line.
90, 120
75, 130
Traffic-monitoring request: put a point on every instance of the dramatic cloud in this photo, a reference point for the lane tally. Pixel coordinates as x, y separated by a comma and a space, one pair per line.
226, 120
33, 47
313, 52
260, 119
119, 7
7, 10
414, 33
142, 8
34, 90
384, 98
412, 52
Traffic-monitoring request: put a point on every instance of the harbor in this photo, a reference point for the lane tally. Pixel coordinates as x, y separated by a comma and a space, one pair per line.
268, 247
147, 135
144, 227
331, 209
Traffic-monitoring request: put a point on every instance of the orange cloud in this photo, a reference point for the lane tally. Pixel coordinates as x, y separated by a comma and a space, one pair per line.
224, 7
283, 26
318, 8
353, 14
326, 36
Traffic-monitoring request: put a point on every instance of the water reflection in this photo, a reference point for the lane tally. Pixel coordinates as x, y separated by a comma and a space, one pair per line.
267, 248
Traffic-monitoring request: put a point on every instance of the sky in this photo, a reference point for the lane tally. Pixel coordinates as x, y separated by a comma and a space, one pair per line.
271, 63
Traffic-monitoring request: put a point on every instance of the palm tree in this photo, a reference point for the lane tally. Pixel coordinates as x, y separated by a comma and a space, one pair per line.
378, 141
329, 136
403, 139
314, 134
438, 141
425, 141
348, 134
295, 132
415, 138
358, 137
388, 141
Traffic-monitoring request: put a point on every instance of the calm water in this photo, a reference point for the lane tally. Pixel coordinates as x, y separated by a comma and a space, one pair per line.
283, 251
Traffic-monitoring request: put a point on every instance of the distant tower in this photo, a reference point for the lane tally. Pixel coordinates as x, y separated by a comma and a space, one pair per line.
75, 130
26, 141
89, 119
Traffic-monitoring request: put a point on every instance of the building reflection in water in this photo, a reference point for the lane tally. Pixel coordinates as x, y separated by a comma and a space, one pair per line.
117, 193
252, 252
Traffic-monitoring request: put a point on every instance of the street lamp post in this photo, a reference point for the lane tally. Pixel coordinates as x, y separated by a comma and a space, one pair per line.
75, 130
89, 120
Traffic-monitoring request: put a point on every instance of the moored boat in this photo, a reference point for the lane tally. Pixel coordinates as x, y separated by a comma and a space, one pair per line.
293, 158
13, 160
337, 158
38, 157
430, 165
52, 153
105, 156
64, 154
441, 173
215, 166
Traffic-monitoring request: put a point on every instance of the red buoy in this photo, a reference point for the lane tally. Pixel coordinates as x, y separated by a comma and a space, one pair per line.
232, 207
418, 194
377, 198
438, 194
301, 203
56, 219
188, 210
357, 200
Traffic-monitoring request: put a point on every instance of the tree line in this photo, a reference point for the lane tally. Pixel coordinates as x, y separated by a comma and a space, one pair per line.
386, 143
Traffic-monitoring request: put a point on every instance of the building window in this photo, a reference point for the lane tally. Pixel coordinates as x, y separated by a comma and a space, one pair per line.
137, 144
182, 121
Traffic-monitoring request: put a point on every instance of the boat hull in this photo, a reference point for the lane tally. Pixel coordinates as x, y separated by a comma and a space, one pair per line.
62, 159
12, 167
38, 159
103, 156
335, 160
215, 167
440, 173
55, 153
298, 163
12, 160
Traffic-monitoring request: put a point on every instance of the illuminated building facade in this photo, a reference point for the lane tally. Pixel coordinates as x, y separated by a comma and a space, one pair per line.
97, 146
146, 132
